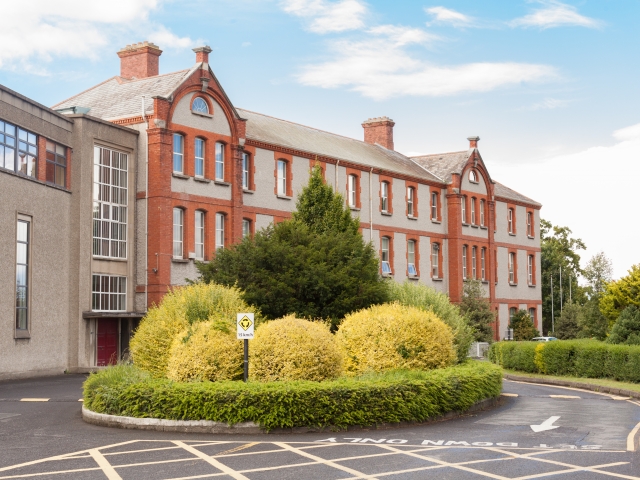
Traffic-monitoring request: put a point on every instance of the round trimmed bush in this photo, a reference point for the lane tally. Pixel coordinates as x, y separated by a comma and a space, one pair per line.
293, 349
394, 336
183, 307
205, 351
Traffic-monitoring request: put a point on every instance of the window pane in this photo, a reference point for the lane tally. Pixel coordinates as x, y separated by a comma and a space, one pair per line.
219, 161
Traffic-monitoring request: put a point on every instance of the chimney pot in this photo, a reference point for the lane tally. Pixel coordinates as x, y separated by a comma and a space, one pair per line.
379, 130
140, 60
473, 142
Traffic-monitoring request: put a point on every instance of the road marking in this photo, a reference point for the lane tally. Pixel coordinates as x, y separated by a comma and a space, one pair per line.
509, 394
211, 461
546, 425
236, 449
104, 464
631, 443
564, 396
584, 390
323, 461
34, 399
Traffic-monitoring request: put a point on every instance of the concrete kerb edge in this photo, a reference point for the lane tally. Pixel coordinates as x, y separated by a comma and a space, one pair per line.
251, 428
580, 385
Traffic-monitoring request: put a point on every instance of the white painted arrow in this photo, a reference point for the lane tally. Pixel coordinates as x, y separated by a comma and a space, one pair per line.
546, 425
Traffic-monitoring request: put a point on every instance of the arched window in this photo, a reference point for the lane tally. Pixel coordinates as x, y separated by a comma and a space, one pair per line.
410, 201
384, 196
178, 153
178, 233
199, 105
386, 265
411, 258
199, 235
220, 161
219, 230
473, 176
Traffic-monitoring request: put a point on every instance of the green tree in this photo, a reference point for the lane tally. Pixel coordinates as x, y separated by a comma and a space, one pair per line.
559, 253
592, 323
315, 265
523, 328
569, 321
477, 309
598, 272
619, 294
626, 330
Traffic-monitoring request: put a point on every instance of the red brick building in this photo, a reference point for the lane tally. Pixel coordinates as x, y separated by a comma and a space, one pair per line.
207, 173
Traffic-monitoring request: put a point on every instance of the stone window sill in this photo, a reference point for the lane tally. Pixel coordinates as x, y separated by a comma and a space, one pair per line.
464, 224
433, 220
246, 190
387, 275
483, 227
202, 179
202, 114
512, 234
532, 285
284, 197
109, 259
474, 225
387, 214
531, 237
485, 281
411, 217
21, 334
513, 284
413, 277
437, 279
222, 183
180, 175
354, 209
180, 260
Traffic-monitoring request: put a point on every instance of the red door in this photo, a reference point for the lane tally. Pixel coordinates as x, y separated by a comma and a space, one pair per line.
107, 341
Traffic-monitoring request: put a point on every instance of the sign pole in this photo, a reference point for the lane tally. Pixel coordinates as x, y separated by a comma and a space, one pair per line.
246, 359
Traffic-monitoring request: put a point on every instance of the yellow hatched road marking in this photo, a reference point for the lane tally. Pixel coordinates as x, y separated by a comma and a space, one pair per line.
564, 396
34, 399
631, 439
509, 394
211, 461
104, 464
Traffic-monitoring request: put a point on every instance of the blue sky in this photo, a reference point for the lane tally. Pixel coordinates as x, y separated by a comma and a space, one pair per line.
550, 87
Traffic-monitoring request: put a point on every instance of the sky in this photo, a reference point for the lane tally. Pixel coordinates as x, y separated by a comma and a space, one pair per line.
550, 87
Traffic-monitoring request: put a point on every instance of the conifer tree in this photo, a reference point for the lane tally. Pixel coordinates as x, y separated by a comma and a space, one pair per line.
477, 309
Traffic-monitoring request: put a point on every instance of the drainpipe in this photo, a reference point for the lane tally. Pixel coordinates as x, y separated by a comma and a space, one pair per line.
371, 205
335, 181
146, 208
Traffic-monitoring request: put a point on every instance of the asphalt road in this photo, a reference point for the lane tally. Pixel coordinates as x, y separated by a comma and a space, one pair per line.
588, 437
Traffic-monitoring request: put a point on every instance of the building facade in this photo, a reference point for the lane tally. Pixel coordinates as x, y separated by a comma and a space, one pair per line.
153, 172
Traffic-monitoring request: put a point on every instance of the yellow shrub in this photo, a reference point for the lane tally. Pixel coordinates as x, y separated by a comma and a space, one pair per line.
537, 358
394, 336
294, 349
205, 352
179, 309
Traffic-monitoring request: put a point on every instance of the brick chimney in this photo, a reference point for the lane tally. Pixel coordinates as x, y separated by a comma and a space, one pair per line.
140, 60
202, 54
379, 130
473, 142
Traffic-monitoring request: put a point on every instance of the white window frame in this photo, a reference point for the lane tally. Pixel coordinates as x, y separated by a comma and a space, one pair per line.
532, 314
110, 204
529, 224
108, 293
510, 219
385, 248
219, 161
178, 233
512, 313
473, 176
464, 262
178, 153
473, 210
352, 187
23, 276
483, 264
482, 206
512, 261
246, 227
411, 258
530, 269
410, 201
195, 108
474, 260
199, 234
435, 260
434, 206
198, 160
220, 221
245, 171
282, 177
463, 208
384, 196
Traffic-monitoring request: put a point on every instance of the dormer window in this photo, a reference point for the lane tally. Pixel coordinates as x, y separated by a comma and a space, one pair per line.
473, 176
200, 106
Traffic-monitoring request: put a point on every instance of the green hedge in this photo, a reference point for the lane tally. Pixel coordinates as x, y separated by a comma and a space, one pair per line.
578, 358
368, 400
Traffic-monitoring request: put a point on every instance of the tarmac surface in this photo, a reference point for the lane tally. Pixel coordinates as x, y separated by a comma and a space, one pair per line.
581, 435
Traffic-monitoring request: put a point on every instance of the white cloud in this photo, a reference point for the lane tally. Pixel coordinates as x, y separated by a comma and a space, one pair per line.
326, 16
38, 31
381, 66
446, 15
548, 104
591, 192
555, 14
246, 44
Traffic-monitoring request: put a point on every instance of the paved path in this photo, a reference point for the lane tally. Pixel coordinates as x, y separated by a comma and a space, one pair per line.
49, 440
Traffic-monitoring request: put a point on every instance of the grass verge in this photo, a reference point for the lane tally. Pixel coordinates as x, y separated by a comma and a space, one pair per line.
392, 397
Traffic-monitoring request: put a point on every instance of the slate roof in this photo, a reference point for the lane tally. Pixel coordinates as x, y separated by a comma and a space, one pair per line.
443, 164
121, 98
264, 128
502, 191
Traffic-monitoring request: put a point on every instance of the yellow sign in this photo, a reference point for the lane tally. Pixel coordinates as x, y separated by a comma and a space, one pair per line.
245, 323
